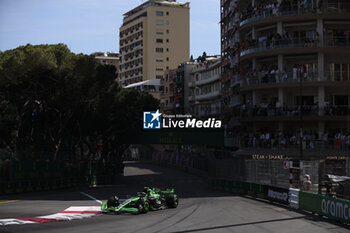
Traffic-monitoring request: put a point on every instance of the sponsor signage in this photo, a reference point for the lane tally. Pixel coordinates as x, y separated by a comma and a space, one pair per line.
333, 208
279, 195
336, 209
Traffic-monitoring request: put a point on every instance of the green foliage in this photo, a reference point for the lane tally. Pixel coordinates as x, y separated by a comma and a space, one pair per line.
56, 105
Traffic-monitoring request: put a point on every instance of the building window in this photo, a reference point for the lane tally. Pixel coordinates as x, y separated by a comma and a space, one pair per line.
167, 31
159, 32
159, 22
167, 67
159, 59
167, 13
167, 22
159, 50
159, 13
159, 41
159, 76
167, 40
159, 68
167, 49
167, 59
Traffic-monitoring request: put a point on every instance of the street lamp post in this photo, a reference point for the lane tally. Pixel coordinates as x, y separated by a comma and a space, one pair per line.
301, 112
301, 124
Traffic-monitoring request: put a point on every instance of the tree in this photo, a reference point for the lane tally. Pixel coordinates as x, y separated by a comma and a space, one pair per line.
59, 106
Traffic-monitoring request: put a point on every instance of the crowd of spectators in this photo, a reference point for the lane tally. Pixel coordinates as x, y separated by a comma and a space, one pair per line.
277, 109
282, 139
285, 7
277, 40
271, 74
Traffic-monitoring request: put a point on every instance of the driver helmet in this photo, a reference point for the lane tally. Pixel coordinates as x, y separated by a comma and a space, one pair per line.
116, 200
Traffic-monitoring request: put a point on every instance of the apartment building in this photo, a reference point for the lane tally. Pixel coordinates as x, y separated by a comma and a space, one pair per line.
230, 80
204, 88
108, 58
167, 97
154, 37
175, 90
292, 61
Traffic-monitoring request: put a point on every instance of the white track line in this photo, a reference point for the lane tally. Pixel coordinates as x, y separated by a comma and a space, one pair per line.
89, 196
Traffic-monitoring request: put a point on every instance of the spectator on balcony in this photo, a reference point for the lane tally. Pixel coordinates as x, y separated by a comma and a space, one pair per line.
278, 108
337, 141
295, 72
343, 141
348, 141
316, 38
274, 9
272, 77
284, 7
320, 5
278, 75
284, 76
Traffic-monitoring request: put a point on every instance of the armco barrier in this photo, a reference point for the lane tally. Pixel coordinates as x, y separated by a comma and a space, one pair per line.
333, 208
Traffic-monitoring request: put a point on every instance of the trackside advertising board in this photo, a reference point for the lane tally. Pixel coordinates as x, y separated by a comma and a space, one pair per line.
275, 194
333, 208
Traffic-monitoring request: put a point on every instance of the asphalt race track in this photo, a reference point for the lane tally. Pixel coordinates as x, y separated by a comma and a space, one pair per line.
200, 209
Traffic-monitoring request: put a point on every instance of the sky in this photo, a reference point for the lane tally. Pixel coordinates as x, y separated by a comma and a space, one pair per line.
88, 26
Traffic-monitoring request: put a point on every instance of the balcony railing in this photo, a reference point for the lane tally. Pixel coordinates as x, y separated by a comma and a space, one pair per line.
274, 44
291, 143
294, 9
290, 77
208, 95
167, 106
293, 111
208, 80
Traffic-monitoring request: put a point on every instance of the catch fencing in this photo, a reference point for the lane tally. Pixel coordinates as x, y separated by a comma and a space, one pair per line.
326, 176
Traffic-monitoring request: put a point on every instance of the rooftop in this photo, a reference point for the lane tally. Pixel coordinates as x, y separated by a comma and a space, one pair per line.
171, 3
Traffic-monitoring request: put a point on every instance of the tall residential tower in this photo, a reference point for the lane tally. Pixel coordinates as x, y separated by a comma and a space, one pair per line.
154, 37
293, 63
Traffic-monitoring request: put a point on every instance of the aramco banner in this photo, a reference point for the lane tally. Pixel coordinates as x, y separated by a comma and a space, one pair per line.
333, 208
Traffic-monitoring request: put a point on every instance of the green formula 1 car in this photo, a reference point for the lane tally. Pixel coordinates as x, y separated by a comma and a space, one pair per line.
149, 199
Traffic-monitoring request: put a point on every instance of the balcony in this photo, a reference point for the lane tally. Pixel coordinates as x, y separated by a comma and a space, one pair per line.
292, 10
207, 80
291, 112
206, 113
191, 84
291, 43
168, 106
293, 79
208, 95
